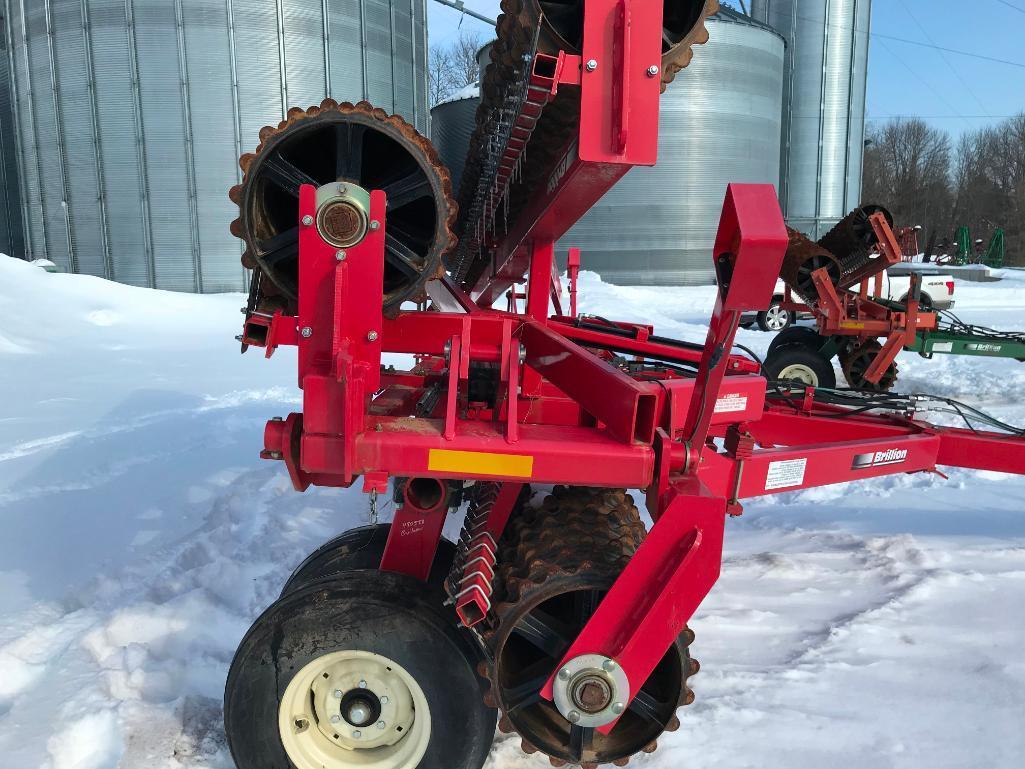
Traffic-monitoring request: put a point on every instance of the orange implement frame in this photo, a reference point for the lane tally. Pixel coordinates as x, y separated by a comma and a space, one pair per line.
841, 311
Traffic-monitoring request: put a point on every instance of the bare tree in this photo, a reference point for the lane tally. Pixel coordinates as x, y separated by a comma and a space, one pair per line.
907, 169
464, 57
441, 74
454, 66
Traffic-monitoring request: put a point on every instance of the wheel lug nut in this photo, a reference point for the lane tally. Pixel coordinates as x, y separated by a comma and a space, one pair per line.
338, 694
362, 684
384, 700
357, 734
381, 724
336, 719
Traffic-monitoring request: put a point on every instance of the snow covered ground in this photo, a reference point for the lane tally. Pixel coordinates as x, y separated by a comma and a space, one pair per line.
876, 625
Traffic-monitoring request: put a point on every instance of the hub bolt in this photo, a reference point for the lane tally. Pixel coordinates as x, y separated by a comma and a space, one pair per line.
618, 708
573, 717
336, 719
381, 724
338, 694
564, 674
592, 65
609, 665
357, 734
362, 683
384, 700
308, 220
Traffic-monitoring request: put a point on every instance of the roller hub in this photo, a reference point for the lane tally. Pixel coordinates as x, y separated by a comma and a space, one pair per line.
345, 150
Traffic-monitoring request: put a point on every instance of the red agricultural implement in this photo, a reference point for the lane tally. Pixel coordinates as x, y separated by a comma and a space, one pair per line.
391, 647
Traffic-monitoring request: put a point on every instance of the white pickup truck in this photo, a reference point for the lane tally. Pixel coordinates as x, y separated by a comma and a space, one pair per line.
937, 294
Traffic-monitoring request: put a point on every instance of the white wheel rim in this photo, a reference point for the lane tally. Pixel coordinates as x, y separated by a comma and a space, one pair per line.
800, 373
316, 734
776, 318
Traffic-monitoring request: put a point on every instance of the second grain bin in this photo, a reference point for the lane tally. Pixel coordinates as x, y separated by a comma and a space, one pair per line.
720, 123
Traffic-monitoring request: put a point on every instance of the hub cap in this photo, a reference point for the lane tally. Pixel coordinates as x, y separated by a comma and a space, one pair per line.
354, 709
800, 373
776, 318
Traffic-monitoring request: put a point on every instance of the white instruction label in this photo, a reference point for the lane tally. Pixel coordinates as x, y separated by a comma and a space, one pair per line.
785, 474
943, 347
732, 403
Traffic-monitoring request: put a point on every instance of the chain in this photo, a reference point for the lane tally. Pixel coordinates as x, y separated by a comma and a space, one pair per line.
373, 507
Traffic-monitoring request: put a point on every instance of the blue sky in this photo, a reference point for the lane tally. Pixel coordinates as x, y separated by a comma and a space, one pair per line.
953, 92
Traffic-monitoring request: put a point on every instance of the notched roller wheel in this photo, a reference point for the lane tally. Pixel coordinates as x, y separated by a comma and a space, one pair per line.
855, 362
355, 144
556, 565
356, 671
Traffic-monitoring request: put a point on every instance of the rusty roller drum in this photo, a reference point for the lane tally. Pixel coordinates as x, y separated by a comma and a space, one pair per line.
558, 25
556, 564
803, 258
852, 240
353, 144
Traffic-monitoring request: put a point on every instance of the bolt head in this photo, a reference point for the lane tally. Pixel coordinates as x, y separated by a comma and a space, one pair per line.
340, 256
342, 189
384, 700
357, 734
336, 719
592, 65
243, 310
573, 717
308, 220
608, 666
381, 724
564, 674
338, 694
372, 337
618, 708
238, 338
653, 70
375, 225
362, 683
307, 332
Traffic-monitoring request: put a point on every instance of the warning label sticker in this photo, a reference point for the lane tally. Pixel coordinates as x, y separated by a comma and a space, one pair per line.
786, 474
731, 403
943, 347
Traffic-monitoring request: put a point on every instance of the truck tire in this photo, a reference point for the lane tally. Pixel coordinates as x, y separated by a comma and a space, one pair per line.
775, 318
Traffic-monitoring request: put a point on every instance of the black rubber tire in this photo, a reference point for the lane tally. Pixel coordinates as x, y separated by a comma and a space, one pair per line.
387, 614
798, 354
763, 319
924, 302
360, 548
803, 335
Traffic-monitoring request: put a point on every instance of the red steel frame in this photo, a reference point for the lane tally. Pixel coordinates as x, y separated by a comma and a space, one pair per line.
564, 414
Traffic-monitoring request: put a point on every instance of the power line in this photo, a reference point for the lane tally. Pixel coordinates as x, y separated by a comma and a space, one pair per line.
943, 56
881, 36
922, 80
1008, 62
1012, 5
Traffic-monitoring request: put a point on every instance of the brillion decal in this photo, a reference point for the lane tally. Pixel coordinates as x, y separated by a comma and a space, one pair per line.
880, 459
